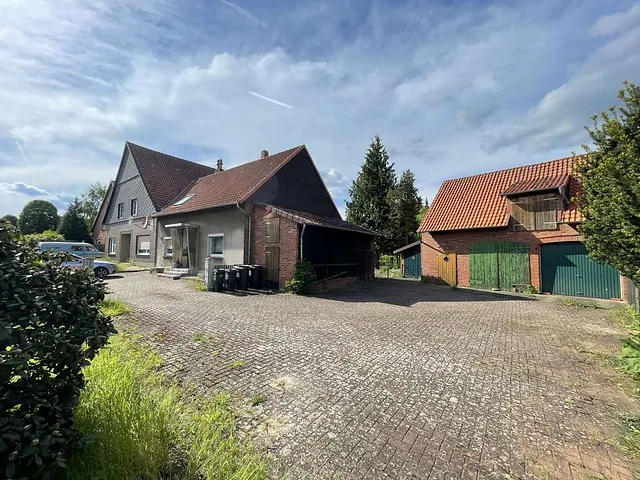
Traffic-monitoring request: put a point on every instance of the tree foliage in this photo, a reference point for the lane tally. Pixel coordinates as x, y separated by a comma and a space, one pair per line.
90, 202
73, 226
369, 206
405, 204
38, 216
12, 219
50, 328
423, 211
46, 236
610, 175
303, 278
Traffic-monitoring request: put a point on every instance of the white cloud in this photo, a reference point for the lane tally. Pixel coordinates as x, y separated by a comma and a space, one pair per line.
617, 22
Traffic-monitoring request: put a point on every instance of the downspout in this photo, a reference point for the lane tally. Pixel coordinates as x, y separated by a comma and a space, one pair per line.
249, 238
304, 225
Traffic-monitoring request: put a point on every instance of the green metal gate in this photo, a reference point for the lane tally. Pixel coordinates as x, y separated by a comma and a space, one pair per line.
567, 270
499, 265
413, 265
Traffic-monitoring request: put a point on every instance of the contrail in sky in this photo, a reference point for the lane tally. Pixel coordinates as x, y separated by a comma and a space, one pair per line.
245, 13
270, 100
24, 157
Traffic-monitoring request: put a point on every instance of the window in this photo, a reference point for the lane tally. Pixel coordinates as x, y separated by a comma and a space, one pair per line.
216, 245
168, 247
143, 244
183, 200
120, 210
112, 246
77, 248
134, 207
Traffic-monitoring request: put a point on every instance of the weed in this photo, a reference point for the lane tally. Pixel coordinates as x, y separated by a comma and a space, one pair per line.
204, 337
454, 287
237, 364
143, 425
629, 439
114, 308
573, 302
196, 284
627, 317
598, 356
257, 399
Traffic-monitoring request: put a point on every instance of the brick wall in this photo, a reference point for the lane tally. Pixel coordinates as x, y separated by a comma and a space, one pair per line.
289, 243
458, 242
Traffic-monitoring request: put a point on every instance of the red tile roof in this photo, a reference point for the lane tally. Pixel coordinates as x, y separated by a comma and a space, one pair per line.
476, 202
537, 184
165, 176
318, 220
230, 186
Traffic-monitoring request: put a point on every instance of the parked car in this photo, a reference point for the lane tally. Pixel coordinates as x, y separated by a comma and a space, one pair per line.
100, 268
77, 248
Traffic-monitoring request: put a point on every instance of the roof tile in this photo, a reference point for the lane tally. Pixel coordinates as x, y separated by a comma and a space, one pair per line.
318, 220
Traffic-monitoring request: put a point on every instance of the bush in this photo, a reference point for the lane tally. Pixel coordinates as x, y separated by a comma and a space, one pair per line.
46, 236
303, 277
393, 260
144, 426
50, 327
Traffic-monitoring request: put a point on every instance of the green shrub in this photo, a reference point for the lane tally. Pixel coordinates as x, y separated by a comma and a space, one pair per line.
303, 277
50, 327
628, 317
389, 261
46, 236
630, 355
146, 427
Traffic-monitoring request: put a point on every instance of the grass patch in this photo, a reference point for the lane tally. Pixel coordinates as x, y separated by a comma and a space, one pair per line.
144, 427
257, 399
629, 439
598, 356
114, 308
196, 284
385, 272
627, 317
237, 364
204, 337
573, 302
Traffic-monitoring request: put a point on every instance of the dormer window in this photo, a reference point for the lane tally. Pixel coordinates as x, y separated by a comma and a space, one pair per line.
184, 200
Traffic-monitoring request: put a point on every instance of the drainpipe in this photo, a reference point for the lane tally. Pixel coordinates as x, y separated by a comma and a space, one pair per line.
249, 239
301, 239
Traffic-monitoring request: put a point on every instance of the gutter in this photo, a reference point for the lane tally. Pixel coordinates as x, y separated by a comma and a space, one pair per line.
250, 225
304, 225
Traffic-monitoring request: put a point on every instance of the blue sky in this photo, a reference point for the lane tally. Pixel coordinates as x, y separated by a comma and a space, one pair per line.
454, 88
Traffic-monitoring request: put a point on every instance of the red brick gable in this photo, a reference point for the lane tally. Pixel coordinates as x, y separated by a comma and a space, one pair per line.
479, 201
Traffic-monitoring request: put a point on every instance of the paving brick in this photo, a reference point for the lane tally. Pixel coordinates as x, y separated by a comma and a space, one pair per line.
394, 379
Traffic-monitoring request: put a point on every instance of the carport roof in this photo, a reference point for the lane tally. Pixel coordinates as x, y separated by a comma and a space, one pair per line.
406, 247
307, 218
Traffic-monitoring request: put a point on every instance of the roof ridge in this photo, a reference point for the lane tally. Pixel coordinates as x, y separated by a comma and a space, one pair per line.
252, 161
169, 155
515, 168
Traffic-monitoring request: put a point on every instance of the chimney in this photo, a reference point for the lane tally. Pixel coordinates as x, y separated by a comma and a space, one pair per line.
219, 165
264, 154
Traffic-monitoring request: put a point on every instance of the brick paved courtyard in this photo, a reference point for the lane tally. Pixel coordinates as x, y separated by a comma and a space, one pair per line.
395, 379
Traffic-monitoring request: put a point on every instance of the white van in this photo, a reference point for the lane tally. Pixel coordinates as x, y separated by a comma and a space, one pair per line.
81, 249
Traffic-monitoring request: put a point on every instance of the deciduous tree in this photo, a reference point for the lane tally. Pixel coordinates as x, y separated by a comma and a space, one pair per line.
38, 216
610, 175
90, 202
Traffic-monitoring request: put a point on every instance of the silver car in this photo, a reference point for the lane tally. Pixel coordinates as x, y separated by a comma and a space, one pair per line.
100, 268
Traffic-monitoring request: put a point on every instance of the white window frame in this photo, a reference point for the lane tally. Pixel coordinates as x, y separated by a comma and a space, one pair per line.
111, 243
121, 210
134, 203
168, 245
211, 236
143, 253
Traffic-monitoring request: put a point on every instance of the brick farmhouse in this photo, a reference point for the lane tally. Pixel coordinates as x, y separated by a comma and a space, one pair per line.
273, 211
513, 229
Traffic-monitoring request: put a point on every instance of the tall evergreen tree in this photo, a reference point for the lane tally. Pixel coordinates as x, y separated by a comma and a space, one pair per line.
610, 175
38, 216
423, 211
405, 207
73, 225
369, 206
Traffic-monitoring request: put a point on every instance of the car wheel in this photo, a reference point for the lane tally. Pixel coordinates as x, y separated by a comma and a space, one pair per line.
101, 272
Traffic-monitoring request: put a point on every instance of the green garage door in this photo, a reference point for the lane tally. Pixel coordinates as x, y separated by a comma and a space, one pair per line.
413, 264
500, 265
567, 270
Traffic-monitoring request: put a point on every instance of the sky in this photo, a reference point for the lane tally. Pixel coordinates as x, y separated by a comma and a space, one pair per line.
454, 88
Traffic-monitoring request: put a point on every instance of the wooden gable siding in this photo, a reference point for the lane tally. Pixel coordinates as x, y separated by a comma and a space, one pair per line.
537, 212
298, 186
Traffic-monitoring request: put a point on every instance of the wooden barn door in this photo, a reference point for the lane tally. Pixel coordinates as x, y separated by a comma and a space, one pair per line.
272, 267
447, 268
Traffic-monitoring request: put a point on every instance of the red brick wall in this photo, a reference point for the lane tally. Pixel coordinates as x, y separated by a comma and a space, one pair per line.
289, 243
459, 242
